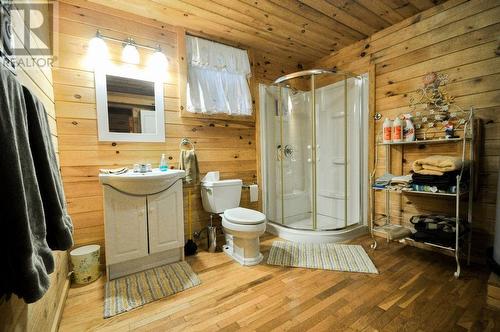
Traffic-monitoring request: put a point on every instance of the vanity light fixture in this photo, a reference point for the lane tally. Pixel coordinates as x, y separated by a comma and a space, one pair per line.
130, 54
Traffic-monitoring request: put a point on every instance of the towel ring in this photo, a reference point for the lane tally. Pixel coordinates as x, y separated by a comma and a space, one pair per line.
184, 142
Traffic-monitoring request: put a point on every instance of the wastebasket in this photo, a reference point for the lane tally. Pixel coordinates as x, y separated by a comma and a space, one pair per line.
85, 261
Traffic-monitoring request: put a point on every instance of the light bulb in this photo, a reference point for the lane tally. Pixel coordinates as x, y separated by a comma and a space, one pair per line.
98, 52
158, 61
130, 54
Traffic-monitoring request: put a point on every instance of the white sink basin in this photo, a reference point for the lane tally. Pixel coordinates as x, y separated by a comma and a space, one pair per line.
142, 183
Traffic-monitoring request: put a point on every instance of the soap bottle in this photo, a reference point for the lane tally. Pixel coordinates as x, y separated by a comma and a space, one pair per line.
397, 130
409, 129
387, 130
163, 163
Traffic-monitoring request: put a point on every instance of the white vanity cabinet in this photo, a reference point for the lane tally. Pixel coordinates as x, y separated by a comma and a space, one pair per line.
161, 207
142, 231
125, 226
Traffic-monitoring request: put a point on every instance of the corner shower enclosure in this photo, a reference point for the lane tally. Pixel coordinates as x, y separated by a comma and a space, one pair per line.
314, 155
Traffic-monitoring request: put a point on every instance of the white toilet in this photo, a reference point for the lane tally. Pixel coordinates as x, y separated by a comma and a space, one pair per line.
242, 227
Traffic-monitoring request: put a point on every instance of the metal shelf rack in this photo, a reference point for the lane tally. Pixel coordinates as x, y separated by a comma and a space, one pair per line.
466, 140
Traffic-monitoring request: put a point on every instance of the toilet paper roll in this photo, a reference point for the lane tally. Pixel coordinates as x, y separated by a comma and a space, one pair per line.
254, 193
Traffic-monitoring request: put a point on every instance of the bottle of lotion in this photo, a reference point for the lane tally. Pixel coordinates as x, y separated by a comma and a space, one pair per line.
409, 130
387, 131
397, 130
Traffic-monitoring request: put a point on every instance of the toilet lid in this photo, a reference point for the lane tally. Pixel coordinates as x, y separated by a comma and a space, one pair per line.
244, 216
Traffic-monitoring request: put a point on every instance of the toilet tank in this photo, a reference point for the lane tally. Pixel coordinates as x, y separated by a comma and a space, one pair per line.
218, 196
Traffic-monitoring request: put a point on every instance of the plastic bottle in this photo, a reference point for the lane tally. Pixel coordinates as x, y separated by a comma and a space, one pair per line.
387, 128
409, 129
163, 163
397, 130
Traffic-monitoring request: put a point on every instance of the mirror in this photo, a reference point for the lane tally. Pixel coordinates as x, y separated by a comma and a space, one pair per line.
129, 108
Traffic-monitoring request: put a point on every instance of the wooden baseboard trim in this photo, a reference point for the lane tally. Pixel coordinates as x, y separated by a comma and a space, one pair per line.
60, 305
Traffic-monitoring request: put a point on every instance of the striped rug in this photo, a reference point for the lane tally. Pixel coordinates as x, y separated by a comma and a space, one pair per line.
326, 256
135, 290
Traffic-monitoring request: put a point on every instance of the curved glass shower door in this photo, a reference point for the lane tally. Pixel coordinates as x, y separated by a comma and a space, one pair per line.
296, 154
313, 159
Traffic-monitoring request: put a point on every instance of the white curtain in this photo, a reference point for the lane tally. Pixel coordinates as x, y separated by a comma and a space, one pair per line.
217, 78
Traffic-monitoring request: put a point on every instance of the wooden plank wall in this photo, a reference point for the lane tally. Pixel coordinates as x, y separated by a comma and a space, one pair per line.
227, 145
459, 38
15, 315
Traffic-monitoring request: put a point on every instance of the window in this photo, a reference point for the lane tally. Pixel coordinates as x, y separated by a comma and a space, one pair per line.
217, 78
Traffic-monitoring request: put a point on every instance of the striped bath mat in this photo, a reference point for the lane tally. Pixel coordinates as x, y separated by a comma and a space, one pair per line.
326, 256
135, 290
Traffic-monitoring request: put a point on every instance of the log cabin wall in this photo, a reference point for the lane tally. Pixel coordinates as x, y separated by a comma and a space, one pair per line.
227, 144
459, 38
43, 315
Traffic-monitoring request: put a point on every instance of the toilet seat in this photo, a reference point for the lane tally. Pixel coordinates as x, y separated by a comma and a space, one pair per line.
248, 228
243, 216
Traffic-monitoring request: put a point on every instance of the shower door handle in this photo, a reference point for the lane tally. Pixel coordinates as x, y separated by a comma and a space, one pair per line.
285, 152
279, 154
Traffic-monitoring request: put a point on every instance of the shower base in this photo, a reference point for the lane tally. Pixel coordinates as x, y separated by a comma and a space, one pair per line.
319, 236
306, 223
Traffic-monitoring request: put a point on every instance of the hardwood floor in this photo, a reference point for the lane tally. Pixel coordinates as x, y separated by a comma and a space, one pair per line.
415, 291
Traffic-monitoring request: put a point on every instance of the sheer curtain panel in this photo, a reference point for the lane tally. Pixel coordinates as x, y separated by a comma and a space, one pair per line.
217, 78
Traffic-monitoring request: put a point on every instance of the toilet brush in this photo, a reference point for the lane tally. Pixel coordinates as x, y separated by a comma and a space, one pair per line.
190, 247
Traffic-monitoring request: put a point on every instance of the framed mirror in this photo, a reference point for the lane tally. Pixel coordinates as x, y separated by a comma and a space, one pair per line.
129, 107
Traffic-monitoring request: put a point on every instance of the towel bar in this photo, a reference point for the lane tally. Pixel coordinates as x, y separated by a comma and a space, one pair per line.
186, 141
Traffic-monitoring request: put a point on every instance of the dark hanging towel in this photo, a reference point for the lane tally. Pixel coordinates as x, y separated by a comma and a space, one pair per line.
57, 221
27, 258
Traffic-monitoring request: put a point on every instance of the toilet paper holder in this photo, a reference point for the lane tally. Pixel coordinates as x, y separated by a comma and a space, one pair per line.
247, 186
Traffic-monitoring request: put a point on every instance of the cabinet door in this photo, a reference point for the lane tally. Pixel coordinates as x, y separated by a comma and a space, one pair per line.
125, 226
166, 219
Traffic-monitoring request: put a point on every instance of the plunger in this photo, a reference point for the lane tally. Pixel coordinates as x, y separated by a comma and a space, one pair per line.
190, 247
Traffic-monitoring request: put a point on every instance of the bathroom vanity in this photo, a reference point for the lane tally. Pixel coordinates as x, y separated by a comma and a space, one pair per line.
143, 219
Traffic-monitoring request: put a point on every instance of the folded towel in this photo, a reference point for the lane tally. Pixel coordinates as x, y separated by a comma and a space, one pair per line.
383, 180
189, 162
401, 180
437, 165
115, 171
440, 181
